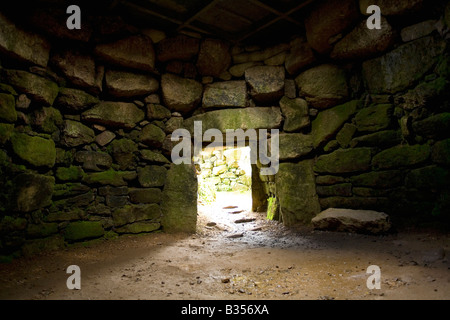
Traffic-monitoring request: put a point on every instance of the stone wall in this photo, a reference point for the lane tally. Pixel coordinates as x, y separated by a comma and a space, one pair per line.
86, 120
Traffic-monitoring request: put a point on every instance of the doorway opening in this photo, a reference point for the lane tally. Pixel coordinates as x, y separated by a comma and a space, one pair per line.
224, 185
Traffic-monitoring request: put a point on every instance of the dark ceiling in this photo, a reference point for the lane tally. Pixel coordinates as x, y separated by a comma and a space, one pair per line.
234, 20
244, 21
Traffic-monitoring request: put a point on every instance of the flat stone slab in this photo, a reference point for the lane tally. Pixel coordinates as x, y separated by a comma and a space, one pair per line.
349, 220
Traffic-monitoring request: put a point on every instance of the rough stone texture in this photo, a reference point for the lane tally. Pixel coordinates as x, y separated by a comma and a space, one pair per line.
434, 126
36, 151
114, 114
214, 57
134, 52
152, 135
157, 112
123, 84
323, 86
330, 121
245, 118
363, 42
401, 156
124, 152
104, 138
424, 95
152, 176
296, 191
294, 145
345, 135
327, 20
344, 161
296, 114
146, 195
38, 89
76, 133
430, 177
7, 108
179, 200
81, 230
400, 68
72, 173
299, 57
153, 156
374, 118
238, 70
78, 68
47, 119
329, 180
392, 8
94, 161
139, 227
6, 131
347, 220
266, 83
74, 99
441, 152
22, 45
181, 47
225, 94
342, 190
110, 177
418, 30
378, 179
387, 138
134, 213
32, 191
179, 94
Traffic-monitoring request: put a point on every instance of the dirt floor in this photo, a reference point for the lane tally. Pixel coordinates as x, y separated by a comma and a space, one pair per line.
251, 259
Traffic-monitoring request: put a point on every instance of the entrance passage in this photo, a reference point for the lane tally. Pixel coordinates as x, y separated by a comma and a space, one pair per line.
224, 185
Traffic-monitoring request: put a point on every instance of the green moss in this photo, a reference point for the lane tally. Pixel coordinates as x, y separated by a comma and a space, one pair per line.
401, 156
7, 108
6, 131
41, 230
72, 173
139, 227
34, 150
80, 230
6, 88
49, 119
272, 208
110, 177
344, 161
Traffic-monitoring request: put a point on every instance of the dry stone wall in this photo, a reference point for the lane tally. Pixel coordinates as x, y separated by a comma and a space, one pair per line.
86, 120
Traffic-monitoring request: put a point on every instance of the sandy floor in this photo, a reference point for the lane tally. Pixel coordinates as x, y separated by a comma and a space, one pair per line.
225, 260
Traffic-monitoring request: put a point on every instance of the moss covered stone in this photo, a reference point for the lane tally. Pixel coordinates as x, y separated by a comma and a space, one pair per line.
36, 151
401, 156
429, 178
76, 133
374, 118
115, 114
157, 112
378, 179
10, 224
386, 138
32, 191
145, 195
153, 156
41, 230
7, 108
344, 161
48, 119
36, 246
72, 173
328, 122
241, 118
345, 135
225, 94
124, 152
110, 177
152, 135
294, 145
152, 176
81, 230
342, 190
6, 131
441, 152
179, 94
296, 114
435, 126
74, 99
273, 208
296, 191
137, 212
179, 199
38, 89
139, 227
69, 189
